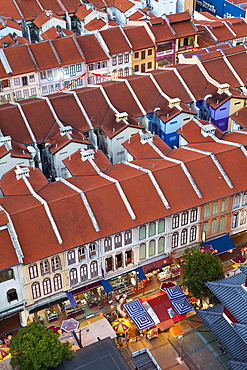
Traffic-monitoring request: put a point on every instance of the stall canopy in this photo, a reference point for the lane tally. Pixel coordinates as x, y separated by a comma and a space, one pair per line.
222, 244
140, 273
173, 292
182, 306
138, 314
106, 285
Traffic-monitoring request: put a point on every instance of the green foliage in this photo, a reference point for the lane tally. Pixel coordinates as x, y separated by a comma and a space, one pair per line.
34, 348
198, 268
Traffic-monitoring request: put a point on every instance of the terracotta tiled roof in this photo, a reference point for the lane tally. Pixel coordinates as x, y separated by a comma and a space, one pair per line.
236, 137
162, 32
145, 151
240, 116
112, 127
138, 37
43, 17
115, 40
62, 46
115, 90
191, 132
44, 55
178, 17
239, 63
9, 9
9, 257
74, 164
184, 29
20, 59
95, 24
138, 15
10, 23
83, 11
91, 48
51, 34
222, 73
8, 39
121, 5
70, 117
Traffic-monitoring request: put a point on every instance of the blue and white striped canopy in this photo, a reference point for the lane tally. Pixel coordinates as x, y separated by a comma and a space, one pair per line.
174, 292
138, 314
182, 306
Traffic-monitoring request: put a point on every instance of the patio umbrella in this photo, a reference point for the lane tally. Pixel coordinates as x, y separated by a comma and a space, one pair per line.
69, 325
55, 329
4, 352
239, 259
120, 326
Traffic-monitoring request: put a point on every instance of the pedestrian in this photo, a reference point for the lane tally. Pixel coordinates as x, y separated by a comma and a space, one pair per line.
117, 296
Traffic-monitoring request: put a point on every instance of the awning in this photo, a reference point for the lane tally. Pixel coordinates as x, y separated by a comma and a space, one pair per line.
182, 306
106, 285
140, 273
156, 265
174, 292
221, 243
85, 288
138, 314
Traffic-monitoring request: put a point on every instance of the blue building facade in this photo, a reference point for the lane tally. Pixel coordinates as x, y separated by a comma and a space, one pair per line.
222, 8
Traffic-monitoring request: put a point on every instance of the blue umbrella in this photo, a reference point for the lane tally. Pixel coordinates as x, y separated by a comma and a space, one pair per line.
182, 306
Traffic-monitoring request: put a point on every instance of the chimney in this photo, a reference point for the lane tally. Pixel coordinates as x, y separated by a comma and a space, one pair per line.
85, 154
223, 88
21, 172
174, 102
65, 130
121, 116
208, 129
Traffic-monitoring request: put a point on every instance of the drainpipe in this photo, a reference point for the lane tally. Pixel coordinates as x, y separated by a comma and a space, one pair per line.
205, 108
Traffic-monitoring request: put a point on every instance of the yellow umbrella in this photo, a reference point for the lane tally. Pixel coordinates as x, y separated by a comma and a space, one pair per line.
4, 352
120, 326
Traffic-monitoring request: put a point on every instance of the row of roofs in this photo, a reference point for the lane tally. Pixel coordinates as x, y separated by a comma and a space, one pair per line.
66, 213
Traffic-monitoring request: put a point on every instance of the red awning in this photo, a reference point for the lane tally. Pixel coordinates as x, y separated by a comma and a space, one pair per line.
85, 288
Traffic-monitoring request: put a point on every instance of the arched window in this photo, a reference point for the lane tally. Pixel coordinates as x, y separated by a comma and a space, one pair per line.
222, 223
128, 237
142, 232
193, 215
243, 217
71, 257
205, 228
92, 250
12, 295
193, 231
174, 240
82, 253
175, 221
214, 226
73, 278
109, 264
57, 281
84, 272
120, 72
118, 240
47, 286
244, 202
94, 268
161, 226
56, 263
126, 71
185, 217
151, 248
142, 251
161, 245
151, 229
235, 220
129, 257
107, 244
184, 236
44, 267
206, 211
33, 271
236, 201
35, 290
119, 260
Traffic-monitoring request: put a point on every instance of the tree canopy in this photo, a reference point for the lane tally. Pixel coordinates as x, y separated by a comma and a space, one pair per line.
34, 348
198, 268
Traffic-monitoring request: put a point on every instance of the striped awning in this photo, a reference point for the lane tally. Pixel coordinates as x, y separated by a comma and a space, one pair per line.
139, 315
182, 306
174, 292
